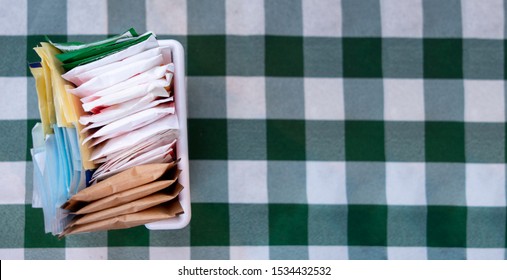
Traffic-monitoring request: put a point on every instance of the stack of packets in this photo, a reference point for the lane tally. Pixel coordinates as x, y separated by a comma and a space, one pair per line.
137, 196
107, 113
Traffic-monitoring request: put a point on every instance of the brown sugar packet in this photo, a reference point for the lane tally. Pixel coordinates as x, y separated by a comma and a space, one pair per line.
128, 208
128, 179
127, 196
161, 212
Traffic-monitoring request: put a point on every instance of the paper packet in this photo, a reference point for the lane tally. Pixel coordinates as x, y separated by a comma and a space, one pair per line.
133, 138
129, 195
128, 179
85, 56
40, 84
149, 43
72, 46
130, 123
88, 75
158, 155
155, 87
128, 208
118, 111
116, 76
120, 158
155, 73
161, 212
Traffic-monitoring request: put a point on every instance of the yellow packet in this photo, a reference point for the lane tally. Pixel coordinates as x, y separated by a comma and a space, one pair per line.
53, 97
47, 81
60, 84
40, 84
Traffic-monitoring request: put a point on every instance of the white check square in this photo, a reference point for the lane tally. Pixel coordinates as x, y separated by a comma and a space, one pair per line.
246, 97
12, 182
13, 98
322, 18
12, 254
249, 252
403, 100
167, 16
485, 254
244, 17
324, 99
405, 183
325, 182
402, 18
13, 17
248, 181
407, 253
484, 101
483, 19
91, 253
169, 253
86, 17
485, 184
328, 252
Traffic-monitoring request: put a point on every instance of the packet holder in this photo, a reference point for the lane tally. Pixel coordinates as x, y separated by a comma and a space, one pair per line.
175, 54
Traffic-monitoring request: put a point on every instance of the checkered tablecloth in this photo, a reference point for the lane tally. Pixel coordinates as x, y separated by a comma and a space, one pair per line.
318, 129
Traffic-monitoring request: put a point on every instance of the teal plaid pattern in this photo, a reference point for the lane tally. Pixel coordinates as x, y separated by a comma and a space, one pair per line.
318, 129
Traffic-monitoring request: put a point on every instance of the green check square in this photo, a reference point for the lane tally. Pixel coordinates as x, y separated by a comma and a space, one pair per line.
35, 237
325, 140
483, 59
246, 139
323, 57
14, 140
407, 226
445, 141
245, 55
286, 139
11, 231
207, 138
210, 224
364, 141
249, 224
136, 236
362, 57
206, 55
367, 225
485, 142
327, 224
284, 56
288, 224
447, 226
486, 227
443, 58
13, 53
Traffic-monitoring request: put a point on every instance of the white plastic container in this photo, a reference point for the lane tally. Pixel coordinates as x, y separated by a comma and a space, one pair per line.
176, 55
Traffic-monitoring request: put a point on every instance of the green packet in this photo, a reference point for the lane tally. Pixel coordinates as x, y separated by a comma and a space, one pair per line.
96, 54
74, 55
74, 46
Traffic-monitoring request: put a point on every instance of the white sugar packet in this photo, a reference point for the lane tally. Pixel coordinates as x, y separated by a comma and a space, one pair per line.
156, 87
121, 110
162, 146
129, 123
116, 76
88, 75
156, 140
149, 43
145, 77
155, 156
133, 138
